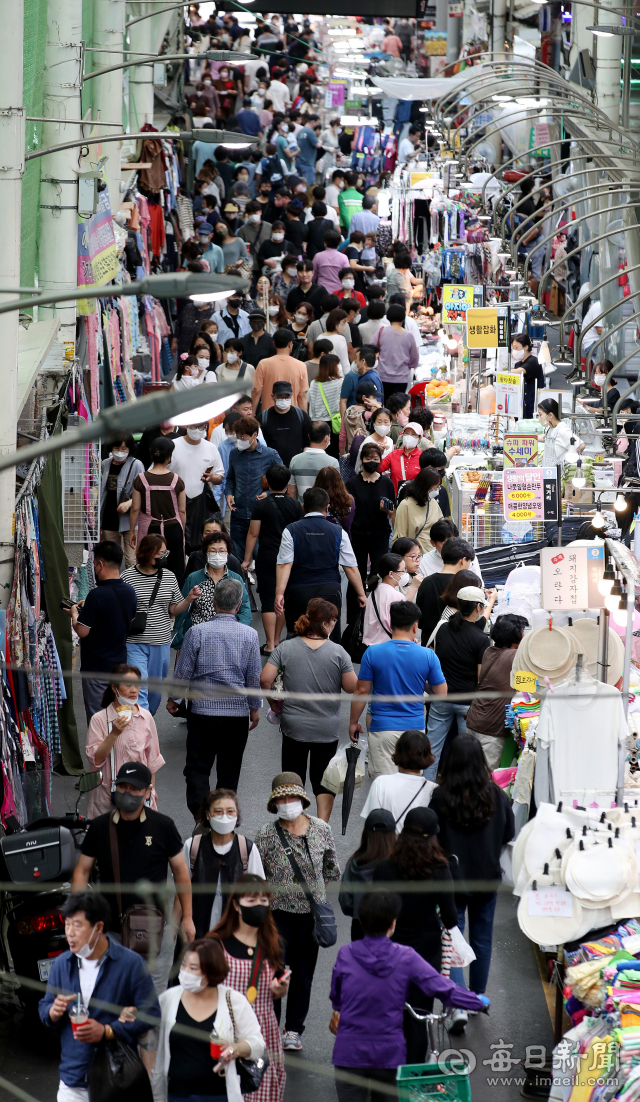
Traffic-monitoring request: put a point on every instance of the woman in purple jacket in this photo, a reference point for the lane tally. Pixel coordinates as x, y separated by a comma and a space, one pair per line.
369, 987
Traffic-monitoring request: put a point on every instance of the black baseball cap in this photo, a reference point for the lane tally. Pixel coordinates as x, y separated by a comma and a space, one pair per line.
135, 773
381, 821
282, 387
422, 820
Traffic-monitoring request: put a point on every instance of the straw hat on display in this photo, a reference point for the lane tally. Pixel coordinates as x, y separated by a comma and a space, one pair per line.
546, 652
586, 633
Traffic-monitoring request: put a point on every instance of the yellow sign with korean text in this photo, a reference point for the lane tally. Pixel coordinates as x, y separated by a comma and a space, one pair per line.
482, 328
520, 451
525, 682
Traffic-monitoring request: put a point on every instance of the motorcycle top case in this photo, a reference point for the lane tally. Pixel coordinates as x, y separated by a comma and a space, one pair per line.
46, 854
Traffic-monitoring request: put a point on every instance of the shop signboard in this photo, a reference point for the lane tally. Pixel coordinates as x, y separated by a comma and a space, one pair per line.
539, 140
482, 328
570, 577
456, 9
97, 260
335, 93
530, 493
509, 392
519, 450
457, 300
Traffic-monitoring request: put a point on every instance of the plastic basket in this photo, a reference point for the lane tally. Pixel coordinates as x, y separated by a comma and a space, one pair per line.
428, 1081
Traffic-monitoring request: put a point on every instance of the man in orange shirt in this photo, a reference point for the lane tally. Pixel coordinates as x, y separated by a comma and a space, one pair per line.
280, 368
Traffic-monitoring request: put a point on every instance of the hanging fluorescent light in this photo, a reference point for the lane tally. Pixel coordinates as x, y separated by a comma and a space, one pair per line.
206, 411
606, 582
355, 120
579, 480
505, 98
613, 599
216, 296
598, 520
571, 455
621, 612
611, 30
620, 504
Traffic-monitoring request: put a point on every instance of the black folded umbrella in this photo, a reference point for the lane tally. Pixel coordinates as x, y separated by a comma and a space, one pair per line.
353, 753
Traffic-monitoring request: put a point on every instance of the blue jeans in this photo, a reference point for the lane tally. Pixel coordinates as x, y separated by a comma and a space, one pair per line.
308, 171
440, 718
153, 661
481, 911
238, 530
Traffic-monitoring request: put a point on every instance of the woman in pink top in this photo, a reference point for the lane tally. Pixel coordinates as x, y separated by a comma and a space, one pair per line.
392, 44
383, 592
122, 731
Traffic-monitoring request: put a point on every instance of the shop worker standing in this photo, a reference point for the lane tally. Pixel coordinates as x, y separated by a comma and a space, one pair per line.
100, 969
350, 201
312, 550
102, 623
148, 844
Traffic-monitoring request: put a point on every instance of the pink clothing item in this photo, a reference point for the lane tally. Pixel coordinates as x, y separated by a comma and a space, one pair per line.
327, 266
392, 45
138, 742
398, 355
374, 631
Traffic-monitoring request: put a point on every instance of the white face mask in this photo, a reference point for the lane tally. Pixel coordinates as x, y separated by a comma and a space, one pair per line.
190, 982
124, 701
254, 218
277, 237
289, 811
231, 437
196, 434
119, 456
599, 380
517, 353
232, 357
284, 129
282, 403
433, 494
223, 824
202, 363
409, 442
348, 283
291, 271
342, 328
87, 949
382, 430
273, 310
243, 445
217, 558
300, 319
357, 319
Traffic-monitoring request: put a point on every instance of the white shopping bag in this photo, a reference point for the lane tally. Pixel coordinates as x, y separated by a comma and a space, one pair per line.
334, 775
463, 954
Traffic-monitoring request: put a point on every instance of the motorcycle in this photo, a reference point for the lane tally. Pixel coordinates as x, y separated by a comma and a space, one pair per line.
31, 926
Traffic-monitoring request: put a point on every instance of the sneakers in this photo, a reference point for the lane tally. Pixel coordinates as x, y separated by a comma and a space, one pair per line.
291, 1041
456, 1021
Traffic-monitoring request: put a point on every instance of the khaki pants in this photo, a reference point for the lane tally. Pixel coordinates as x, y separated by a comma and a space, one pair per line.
381, 747
492, 745
122, 539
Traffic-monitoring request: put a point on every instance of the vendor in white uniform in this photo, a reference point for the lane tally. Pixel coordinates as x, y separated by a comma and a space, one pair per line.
557, 433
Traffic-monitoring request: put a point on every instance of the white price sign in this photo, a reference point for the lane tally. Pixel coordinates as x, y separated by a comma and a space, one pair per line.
509, 389
552, 902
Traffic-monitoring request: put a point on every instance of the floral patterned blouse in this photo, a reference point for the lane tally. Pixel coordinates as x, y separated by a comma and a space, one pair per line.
320, 847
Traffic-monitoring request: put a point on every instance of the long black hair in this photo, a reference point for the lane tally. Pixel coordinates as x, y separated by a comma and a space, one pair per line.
468, 791
375, 846
386, 564
417, 857
425, 481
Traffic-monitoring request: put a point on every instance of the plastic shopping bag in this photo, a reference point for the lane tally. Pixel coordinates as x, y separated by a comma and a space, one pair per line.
462, 953
336, 771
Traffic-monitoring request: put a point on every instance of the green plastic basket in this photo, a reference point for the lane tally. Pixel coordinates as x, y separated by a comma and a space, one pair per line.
428, 1081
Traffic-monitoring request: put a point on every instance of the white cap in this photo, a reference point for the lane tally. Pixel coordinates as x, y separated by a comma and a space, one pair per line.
472, 593
415, 427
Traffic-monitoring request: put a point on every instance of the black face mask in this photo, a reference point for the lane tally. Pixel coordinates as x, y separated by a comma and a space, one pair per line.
160, 560
370, 468
253, 916
127, 802
234, 304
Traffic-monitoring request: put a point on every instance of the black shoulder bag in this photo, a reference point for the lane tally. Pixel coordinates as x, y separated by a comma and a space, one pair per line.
325, 931
375, 608
139, 622
250, 1072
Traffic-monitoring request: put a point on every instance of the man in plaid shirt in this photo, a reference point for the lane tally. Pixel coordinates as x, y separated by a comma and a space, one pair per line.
221, 651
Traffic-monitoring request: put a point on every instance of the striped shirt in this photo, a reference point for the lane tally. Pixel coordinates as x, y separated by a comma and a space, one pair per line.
304, 467
158, 630
221, 652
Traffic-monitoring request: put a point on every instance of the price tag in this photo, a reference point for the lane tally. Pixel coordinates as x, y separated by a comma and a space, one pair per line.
525, 682
632, 943
552, 902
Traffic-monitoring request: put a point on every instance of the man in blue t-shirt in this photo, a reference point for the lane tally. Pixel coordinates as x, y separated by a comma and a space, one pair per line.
398, 668
362, 371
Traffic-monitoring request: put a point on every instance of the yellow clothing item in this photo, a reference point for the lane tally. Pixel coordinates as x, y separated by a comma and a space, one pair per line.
416, 520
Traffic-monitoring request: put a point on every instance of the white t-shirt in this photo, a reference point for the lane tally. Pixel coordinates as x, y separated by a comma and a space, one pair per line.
432, 563
254, 866
340, 348
333, 193
278, 93
225, 373
331, 214
394, 791
406, 150
88, 972
190, 461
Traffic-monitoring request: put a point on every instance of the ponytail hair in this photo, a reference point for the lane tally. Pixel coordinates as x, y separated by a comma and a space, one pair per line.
185, 361
549, 405
386, 564
316, 619
465, 608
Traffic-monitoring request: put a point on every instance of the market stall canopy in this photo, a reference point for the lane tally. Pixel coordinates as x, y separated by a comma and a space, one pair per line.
399, 9
34, 345
413, 88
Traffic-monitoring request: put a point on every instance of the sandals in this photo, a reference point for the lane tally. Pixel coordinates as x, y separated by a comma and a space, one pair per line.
263, 652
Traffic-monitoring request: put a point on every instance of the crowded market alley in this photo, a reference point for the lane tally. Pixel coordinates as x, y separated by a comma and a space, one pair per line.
319, 551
